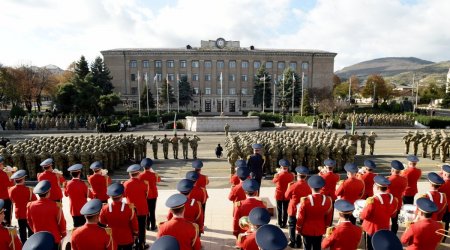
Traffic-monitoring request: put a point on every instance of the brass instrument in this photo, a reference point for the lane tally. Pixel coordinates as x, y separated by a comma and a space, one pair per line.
329, 231
9, 170
244, 223
408, 224
104, 172
442, 232
407, 214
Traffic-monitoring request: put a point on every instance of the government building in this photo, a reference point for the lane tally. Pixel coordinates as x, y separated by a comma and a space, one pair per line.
203, 67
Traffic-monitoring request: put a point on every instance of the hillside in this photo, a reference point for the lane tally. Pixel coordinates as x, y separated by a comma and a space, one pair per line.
387, 66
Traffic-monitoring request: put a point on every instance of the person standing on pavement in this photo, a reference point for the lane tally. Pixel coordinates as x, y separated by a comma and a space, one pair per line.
445, 188
282, 180
352, 188
202, 180
367, 175
397, 187
255, 163
99, 182
8, 236
77, 191
151, 178
174, 142
258, 217
435, 196
412, 174
56, 180
5, 183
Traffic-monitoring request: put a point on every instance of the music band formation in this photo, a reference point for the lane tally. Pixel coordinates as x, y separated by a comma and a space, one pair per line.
115, 215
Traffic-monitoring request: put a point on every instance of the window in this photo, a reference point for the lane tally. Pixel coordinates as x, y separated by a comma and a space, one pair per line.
171, 77
256, 64
207, 77
133, 64
232, 91
305, 79
145, 64
231, 77
159, 77
134, 104
244, 104
133, 90
133, 77
305, 65
219, 91
207, 91
244, 78
244, 91
183, 64
158, 64
194, 64
269, 65
208, 64
232, 64
194, 77
293, 66
170, 64
244, 64
218, 77
281, 65
220, 64
195, 91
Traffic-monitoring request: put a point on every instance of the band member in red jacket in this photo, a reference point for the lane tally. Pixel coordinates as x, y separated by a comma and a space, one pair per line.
56, 180
258, 217
412, 174
236, 192
282, 180
77, 191
99, 182
271, 237
5, 183
437, 197
20, 196
8, 236
344, 235
151, 178
366, 175
445, 188
397, 187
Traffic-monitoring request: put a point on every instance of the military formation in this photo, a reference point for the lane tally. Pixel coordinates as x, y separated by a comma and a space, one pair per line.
432, 144
388, 120
185, 142
112, 150
299, 148
50, 122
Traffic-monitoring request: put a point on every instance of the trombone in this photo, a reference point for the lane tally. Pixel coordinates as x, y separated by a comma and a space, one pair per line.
442, 232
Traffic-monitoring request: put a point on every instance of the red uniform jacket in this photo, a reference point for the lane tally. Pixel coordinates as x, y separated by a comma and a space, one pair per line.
237, 193
99, 184
56, 181
314, 215
412, 175
247, 241
440, 199
46, 215
5, 183
91, 236
421, 235
152, 178
184, 231
377, 212
199, 194
367, 178
331, 179
282, 181
77, 191
136, 194
234, 180
193, 212
445, 188
351, 189
397, 188
243, 208
9, 240
202, 182
345, 236
122, 220
20, 195
295, 191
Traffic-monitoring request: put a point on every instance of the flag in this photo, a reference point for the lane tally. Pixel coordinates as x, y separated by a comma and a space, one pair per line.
220, 76
138, 77
178, 78
155, 78
146, 79
167, 79
293, 77
175, 124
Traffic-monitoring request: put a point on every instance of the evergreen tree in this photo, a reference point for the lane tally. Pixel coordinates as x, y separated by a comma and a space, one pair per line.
290, 85
81, 68
163, 95
151, 101
101, 76
261, 81
185, 91
306, 103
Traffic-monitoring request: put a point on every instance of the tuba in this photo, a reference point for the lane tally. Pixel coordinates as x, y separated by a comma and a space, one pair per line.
244, 223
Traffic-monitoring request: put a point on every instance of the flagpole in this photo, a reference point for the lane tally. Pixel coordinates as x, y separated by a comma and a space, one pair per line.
175, 124
221, 93
157, 94
139, 93
168, 97
274, 91
178, 86
301, 105
264, 92
293, 94
146, 85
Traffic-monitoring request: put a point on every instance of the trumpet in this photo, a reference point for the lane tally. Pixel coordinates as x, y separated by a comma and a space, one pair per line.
244, 223
104, 172
329, 231
442, 232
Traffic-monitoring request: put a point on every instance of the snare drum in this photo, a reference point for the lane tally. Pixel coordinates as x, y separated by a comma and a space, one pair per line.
407, 213
359, 205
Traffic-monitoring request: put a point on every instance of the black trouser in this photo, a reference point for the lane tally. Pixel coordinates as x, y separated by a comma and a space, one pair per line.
294, 240
125, 247
312, 242
368, 241
151, 220
282, 207
24, 230
78, 221
446, 220
394, 223
8, 208
142, 221
408, 199
204, 215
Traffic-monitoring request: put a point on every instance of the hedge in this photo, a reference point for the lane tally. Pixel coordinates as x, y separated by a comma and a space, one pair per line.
170, 125
267, 116
267, 124
434, 121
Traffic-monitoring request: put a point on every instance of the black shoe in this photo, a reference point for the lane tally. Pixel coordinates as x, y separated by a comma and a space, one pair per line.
147, 228
153, 228
291, 245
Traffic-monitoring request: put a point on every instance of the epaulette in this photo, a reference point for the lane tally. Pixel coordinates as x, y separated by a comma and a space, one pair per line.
340, 182
59, 204
423, 196
303, 199
370, 200
290, 183
12, 231
237, 204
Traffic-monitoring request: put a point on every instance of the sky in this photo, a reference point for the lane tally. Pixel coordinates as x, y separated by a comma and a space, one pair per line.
42, 32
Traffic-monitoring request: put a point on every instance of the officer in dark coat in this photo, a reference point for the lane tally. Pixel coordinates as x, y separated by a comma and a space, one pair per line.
255, 163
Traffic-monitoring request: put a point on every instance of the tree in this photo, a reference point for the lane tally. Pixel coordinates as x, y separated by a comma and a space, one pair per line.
151, 101
431, 92
306, 103
107, 102
46, 84
185, 91
262, 81
166, 93
101, 76
336, 80
65, 97
375, 83
341, 90
290, 85
81, 68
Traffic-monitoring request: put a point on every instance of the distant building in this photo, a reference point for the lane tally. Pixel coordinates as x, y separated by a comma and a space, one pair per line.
203, 66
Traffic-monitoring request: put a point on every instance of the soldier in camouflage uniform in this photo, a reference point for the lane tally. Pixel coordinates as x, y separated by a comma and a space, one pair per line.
85, 158
165, 142
435, 141
193, 143
18, 159
416, 140
154, 142
363, 139
425, 140
407, 139
185, 146
371, 142
31, 163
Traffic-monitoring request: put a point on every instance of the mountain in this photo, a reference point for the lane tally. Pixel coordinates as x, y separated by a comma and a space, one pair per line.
387, 66
54, 69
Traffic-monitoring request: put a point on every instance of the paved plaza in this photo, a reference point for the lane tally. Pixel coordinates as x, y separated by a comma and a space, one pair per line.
218, 221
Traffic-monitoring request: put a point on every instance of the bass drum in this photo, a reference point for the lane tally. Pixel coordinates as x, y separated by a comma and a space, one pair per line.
359, 206
407, 213
65, 242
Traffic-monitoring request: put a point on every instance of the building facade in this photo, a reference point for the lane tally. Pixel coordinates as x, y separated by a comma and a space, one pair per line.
203, 66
